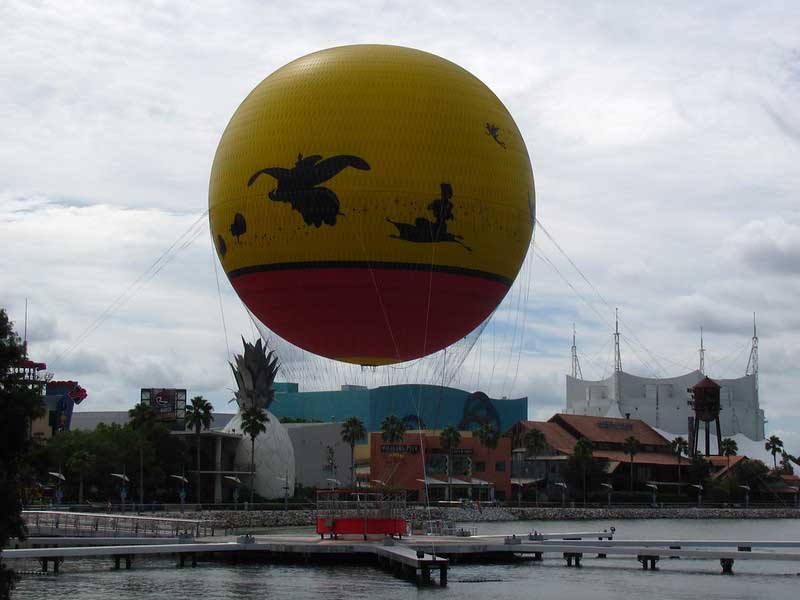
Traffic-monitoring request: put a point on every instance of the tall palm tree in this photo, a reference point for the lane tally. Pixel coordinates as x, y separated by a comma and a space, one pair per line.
631, 446
535, 442
353, 431
729, 448
254, 419
583, 453
141, 418
392, 429
679, 447
774, 446
198, 417
488, 436
449, 440
78, 463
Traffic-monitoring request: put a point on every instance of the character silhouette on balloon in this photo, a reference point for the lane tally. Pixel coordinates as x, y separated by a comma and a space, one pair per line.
298, 185
426, 231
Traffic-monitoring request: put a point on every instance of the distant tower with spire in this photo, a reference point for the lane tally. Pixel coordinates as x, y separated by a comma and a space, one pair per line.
576, 366
702, 354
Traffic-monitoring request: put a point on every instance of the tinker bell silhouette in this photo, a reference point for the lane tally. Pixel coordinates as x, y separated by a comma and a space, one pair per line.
427, 232
297, 186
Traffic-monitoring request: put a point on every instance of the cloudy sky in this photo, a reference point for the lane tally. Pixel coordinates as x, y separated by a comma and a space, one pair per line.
665, 143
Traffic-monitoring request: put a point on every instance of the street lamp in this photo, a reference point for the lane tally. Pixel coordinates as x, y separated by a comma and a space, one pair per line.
60, 479
182, 492
653, 487
123, 490
237, 482
334, 482
285, 480
610, 489
563, 487
699, 487
746, 489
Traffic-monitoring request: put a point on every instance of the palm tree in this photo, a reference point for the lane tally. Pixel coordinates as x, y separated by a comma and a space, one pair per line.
774, 446
254, 421
198, 416
729, 448
535, 442
449, 440
141, 417
488, 436
583, 453
79, 463
679, 447
631, 446
392, 429
353, 430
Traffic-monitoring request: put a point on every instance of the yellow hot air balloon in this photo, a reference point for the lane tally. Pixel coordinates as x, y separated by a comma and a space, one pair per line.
371, 203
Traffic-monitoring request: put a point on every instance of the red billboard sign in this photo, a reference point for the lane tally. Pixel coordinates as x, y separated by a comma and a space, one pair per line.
168, 404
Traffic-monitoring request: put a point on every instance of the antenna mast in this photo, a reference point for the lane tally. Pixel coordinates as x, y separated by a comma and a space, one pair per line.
752, 362
702, 354
617, 355
576, 366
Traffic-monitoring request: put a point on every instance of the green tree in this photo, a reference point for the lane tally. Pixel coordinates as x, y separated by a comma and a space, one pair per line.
141, 418
582, 453
79, 463
729, 448
353, 431
631, 446
679, 447
198, 417
392, 429
254, 420
20, 403
774, 445
488, 436
449, 440
535, 442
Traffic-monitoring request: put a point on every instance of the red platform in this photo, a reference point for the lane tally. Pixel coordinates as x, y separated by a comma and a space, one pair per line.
360, 526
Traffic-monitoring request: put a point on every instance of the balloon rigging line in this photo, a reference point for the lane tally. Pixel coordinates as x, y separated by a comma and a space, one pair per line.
221, 310
188, 237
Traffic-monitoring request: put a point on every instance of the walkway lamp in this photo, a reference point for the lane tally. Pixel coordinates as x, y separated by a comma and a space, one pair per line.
746, 489
699, 487
236, 483
610, 489
334, 482
123, 487
653, 487
285, 480
563, 487
182, 491
60, 479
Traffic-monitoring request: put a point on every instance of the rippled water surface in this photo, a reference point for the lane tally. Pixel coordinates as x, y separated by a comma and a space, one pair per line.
612, 578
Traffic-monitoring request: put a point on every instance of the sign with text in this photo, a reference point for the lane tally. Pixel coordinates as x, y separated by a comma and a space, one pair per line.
168, 404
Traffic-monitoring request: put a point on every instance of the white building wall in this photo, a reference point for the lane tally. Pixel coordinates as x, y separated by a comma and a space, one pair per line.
664, 403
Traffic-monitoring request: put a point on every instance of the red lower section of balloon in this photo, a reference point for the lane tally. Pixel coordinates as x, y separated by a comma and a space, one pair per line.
369, 316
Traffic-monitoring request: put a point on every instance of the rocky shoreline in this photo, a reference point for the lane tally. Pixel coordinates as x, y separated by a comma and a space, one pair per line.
298, 518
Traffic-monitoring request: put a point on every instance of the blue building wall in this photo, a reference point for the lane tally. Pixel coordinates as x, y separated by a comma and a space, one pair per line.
435, 406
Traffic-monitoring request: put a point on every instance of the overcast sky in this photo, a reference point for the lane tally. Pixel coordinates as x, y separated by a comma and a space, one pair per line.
665, 144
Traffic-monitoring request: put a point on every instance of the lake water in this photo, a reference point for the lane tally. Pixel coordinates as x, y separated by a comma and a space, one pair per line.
608, 579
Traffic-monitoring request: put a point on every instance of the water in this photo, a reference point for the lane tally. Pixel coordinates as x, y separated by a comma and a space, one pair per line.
608, 579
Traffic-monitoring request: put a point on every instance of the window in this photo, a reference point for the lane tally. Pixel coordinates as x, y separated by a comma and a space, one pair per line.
480, 467
500, 466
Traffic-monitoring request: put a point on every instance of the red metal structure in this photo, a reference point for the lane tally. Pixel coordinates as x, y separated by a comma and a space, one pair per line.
360, 512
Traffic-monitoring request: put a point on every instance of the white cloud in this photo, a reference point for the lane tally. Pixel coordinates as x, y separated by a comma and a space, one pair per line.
664, 143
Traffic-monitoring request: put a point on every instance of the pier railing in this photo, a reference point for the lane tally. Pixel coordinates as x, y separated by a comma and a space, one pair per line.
76, 524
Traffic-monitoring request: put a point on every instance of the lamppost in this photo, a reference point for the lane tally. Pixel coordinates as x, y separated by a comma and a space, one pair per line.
182, 491
334, 482
653, 487
123, 488
746, 489
237, 482
60, 479
610, 489
285, 480
563, 487
699, 487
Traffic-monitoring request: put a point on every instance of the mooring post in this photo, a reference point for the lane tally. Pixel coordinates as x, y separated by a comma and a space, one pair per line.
443, 575
727, 566
537, 556
56, 564
181, 559
426, 574
194, 559
116, 562
128, 561
44, 565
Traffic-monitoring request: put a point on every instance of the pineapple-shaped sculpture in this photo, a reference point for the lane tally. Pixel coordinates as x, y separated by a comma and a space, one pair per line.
255, 372
270, 452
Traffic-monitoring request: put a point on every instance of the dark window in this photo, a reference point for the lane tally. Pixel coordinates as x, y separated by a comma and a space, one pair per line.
480, 467
500, 465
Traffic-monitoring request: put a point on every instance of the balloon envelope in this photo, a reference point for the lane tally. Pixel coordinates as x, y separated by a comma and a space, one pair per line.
371, 204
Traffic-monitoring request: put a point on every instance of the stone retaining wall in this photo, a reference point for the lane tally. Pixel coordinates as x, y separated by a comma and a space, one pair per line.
277, 518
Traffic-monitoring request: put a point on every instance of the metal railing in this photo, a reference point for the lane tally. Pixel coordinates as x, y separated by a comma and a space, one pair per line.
75, 524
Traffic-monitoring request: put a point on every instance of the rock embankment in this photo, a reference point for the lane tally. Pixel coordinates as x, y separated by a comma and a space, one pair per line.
258, 519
